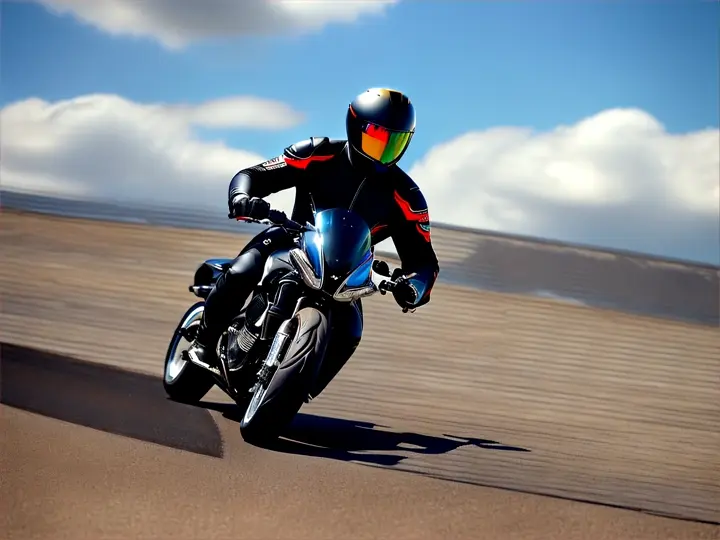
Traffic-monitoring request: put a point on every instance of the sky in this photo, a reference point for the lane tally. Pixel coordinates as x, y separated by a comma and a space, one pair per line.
586, 122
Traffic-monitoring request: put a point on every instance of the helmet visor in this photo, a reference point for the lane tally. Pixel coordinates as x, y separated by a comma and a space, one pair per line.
383, 145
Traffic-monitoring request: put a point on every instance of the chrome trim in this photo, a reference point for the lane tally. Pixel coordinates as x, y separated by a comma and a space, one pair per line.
304, 267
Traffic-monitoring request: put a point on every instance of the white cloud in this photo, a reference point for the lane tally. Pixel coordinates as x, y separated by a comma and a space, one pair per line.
615, 179
243, 111
175, 23
104, 147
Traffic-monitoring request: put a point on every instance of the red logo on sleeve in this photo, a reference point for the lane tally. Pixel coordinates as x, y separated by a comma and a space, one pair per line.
302, 163
421, 218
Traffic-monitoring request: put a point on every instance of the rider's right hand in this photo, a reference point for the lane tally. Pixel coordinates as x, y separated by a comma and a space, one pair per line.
255, 208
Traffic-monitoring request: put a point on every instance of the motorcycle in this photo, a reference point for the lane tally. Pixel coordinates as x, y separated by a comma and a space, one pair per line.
273, 350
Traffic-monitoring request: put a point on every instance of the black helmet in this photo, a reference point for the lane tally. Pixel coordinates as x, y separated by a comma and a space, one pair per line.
380, 123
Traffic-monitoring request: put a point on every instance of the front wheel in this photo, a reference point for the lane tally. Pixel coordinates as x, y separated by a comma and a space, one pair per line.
184, 381
274, 404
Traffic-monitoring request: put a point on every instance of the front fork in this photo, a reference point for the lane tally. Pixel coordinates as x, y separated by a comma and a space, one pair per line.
278, 348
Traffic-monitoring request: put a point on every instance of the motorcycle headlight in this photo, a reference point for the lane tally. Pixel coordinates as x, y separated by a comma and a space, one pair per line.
348, 295
357, 284
305, 268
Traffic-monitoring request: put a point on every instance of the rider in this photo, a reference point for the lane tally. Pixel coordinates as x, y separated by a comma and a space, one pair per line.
360, 174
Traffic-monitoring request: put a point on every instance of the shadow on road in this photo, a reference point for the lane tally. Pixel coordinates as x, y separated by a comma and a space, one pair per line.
134, 405
363, 442
103, 398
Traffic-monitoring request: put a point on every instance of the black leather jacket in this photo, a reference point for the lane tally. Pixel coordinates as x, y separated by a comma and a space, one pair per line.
322, 173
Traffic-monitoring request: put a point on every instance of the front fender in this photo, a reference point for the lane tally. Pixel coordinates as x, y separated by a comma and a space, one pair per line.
303, 359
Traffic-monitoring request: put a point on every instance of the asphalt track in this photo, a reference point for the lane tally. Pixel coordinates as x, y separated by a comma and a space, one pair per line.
533, 404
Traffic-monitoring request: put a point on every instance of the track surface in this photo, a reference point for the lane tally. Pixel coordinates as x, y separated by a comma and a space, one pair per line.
537, 396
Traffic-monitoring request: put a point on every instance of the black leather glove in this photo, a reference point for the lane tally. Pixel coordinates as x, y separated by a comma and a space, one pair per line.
244, 206
404, 293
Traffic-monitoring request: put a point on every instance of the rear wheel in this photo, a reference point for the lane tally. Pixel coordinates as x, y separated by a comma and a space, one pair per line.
273, 405
184, 381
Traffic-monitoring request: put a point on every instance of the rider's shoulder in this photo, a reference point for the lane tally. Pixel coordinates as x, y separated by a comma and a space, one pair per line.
407, 193
314, 149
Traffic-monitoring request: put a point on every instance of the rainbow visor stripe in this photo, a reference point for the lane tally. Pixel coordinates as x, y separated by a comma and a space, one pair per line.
382, 144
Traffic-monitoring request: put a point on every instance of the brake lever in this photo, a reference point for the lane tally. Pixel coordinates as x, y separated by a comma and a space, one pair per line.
385, 286
239, 218
276, 217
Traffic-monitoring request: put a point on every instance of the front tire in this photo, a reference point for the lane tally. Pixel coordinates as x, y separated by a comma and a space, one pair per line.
274, 406
184, 381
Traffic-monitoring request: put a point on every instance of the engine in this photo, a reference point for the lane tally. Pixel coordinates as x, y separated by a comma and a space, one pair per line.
243, 333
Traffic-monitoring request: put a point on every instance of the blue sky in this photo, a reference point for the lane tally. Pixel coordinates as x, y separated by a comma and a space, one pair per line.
608, 110
466, 65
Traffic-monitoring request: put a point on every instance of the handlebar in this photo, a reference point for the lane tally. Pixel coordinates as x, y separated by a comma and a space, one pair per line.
278, 217
383, 269
275, 217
